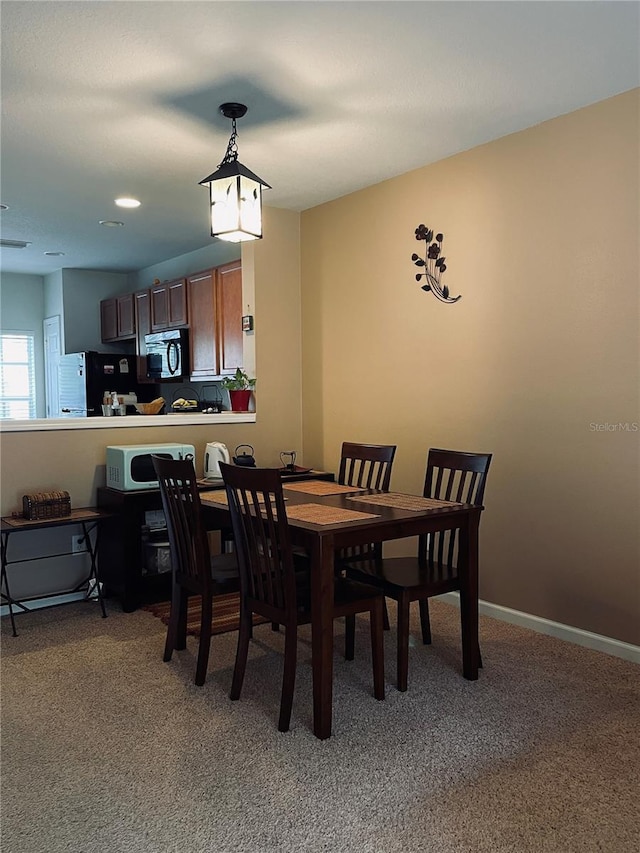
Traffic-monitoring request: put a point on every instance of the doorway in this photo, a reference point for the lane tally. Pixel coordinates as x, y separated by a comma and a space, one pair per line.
52, 350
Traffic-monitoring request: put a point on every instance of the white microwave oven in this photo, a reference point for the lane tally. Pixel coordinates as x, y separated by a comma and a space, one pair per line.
130, 466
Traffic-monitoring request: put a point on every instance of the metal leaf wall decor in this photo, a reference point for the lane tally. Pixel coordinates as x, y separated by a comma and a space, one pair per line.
432, 265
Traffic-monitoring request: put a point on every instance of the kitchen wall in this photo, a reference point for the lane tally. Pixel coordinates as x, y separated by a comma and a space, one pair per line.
73, 295
217, 253
537, 363
82, 292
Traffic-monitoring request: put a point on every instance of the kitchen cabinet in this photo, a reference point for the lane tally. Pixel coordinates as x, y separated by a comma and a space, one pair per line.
215, 309
169, 305
117, 318
142, 305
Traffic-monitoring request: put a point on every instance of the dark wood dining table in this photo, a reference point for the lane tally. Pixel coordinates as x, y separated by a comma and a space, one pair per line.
343, 518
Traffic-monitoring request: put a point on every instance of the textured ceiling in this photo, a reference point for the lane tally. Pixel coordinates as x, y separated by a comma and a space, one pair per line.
102, 99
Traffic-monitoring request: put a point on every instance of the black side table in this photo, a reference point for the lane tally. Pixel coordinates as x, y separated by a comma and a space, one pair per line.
89, 518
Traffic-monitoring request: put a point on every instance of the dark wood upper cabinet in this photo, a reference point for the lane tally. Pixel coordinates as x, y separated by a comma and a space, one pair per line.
142, 303
209, 303
229, 329
202, 334
117, 318
215, 309
109, 320
169, 305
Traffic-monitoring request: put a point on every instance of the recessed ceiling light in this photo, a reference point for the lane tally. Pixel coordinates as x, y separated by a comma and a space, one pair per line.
127, 202
54, 254
110, 223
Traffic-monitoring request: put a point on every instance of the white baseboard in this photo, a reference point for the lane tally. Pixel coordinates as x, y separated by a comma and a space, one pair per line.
599, 643
39, 603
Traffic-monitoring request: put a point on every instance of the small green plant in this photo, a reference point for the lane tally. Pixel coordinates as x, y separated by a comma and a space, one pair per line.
238, 382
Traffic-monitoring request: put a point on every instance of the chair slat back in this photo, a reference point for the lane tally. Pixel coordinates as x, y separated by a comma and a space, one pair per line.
188, 541
261, 534
452, 475
367, 466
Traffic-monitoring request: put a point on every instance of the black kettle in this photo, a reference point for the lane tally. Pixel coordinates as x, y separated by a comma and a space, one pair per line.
244, 459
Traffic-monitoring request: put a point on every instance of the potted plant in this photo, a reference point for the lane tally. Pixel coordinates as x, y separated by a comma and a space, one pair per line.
239, 387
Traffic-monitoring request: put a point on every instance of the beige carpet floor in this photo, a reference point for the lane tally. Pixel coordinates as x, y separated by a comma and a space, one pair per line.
106, 749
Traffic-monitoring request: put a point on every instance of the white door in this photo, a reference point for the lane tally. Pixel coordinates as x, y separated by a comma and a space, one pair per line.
52, 350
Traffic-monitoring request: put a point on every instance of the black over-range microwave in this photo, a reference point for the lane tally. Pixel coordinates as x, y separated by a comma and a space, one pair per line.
168, 355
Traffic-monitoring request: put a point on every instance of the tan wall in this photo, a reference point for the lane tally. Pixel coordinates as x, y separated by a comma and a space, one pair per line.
278, 334
541, 240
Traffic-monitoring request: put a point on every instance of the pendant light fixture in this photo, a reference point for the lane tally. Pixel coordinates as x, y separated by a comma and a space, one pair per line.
235, 191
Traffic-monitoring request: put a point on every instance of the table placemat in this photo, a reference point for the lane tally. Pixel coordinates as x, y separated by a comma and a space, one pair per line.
322, 514
76, 514
399, 501
320, 487
220, 498
217, 497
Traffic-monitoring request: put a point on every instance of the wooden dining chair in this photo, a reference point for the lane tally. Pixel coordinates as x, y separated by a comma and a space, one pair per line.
271, 586
366, 466
194, 571
451, 475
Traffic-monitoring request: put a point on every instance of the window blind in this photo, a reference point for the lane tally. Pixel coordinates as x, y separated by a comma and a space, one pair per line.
17, 375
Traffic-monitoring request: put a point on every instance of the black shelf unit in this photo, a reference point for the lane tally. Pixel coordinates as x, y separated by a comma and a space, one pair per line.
121, 563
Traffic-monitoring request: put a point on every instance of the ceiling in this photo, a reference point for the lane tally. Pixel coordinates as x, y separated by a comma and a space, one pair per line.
103, 99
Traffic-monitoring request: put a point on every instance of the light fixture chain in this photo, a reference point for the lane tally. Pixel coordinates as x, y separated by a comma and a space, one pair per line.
232, 147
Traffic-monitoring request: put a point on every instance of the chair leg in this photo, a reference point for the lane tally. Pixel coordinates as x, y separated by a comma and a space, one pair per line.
242, 651
172, 628
479, 657
385, 615
275, 626
403, 641
425, 622
349, 636
205, 640
376, 618
181, 630
289, 677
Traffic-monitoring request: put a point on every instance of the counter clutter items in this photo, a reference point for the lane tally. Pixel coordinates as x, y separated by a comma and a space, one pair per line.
115, 404
185, 405
152, 408
195, 403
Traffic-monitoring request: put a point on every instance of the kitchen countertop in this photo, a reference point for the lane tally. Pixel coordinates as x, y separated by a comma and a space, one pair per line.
182, 419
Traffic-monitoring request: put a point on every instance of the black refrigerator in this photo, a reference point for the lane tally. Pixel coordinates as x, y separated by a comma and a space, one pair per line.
85, 377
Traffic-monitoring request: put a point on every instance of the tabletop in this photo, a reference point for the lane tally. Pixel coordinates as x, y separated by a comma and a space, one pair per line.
12, 523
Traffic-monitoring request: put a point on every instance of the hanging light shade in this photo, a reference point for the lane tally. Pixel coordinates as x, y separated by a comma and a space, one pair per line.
235, 192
